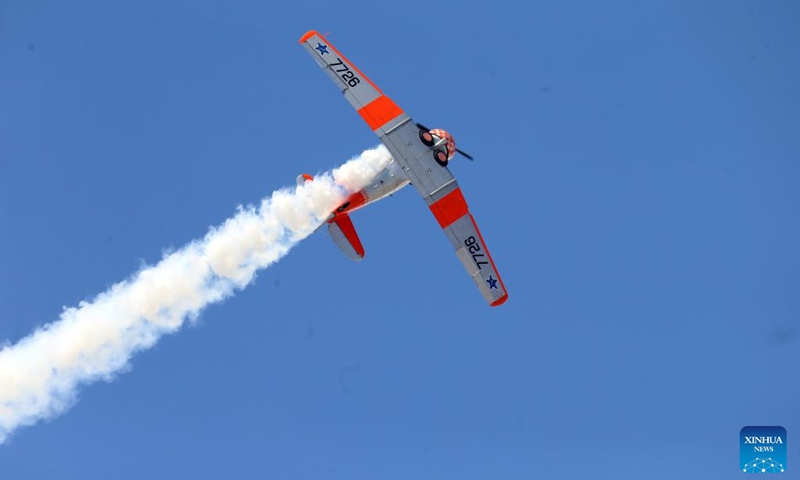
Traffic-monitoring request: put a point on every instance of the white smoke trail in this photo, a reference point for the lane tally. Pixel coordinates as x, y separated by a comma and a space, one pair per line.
40, 373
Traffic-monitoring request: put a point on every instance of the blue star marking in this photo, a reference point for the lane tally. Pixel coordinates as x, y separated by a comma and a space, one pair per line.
492, 282
323, 49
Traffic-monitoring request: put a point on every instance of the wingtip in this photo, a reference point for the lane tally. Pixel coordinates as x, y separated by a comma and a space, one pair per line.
500, 301
308, 35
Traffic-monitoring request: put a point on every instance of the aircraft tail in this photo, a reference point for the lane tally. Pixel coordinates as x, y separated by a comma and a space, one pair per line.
341, 229
345, 237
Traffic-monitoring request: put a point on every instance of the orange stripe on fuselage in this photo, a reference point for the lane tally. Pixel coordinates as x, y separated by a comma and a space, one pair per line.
449, 208
352, 202
379, 112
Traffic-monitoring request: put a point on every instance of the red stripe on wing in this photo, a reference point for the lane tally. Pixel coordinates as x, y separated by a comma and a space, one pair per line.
449, 208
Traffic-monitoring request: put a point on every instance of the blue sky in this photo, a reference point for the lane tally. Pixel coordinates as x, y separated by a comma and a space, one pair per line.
635, 179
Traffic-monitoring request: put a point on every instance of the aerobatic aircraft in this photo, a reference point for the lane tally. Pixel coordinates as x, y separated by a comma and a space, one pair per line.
420, 157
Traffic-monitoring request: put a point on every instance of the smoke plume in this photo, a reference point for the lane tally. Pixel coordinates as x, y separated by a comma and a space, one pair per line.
39, 374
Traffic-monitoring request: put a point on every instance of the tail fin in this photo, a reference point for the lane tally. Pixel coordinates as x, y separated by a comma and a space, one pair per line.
341, 229
345, 237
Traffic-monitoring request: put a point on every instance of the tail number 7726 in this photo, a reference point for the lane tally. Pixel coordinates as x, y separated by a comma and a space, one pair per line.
345, 73
473, 247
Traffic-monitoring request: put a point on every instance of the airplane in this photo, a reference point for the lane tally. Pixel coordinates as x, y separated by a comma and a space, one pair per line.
419, 157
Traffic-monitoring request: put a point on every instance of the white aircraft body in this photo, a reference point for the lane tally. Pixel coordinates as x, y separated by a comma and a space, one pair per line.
420, 157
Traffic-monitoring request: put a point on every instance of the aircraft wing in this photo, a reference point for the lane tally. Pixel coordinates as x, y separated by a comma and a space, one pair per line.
436, 185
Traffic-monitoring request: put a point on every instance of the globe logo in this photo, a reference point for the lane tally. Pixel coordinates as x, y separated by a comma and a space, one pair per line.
763, 465
762, 449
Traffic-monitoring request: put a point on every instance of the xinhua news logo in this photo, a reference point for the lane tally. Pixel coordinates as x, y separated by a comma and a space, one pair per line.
762, 449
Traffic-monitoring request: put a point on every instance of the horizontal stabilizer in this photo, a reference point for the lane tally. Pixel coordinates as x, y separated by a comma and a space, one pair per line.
303, 178
345, 237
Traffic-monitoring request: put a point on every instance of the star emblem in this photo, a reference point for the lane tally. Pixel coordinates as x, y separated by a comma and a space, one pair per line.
492, 282
323, 49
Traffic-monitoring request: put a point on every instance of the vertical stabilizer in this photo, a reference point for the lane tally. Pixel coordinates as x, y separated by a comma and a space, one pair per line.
345, 237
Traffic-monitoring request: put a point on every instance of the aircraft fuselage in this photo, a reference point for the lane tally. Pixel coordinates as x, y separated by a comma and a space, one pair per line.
389, 181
